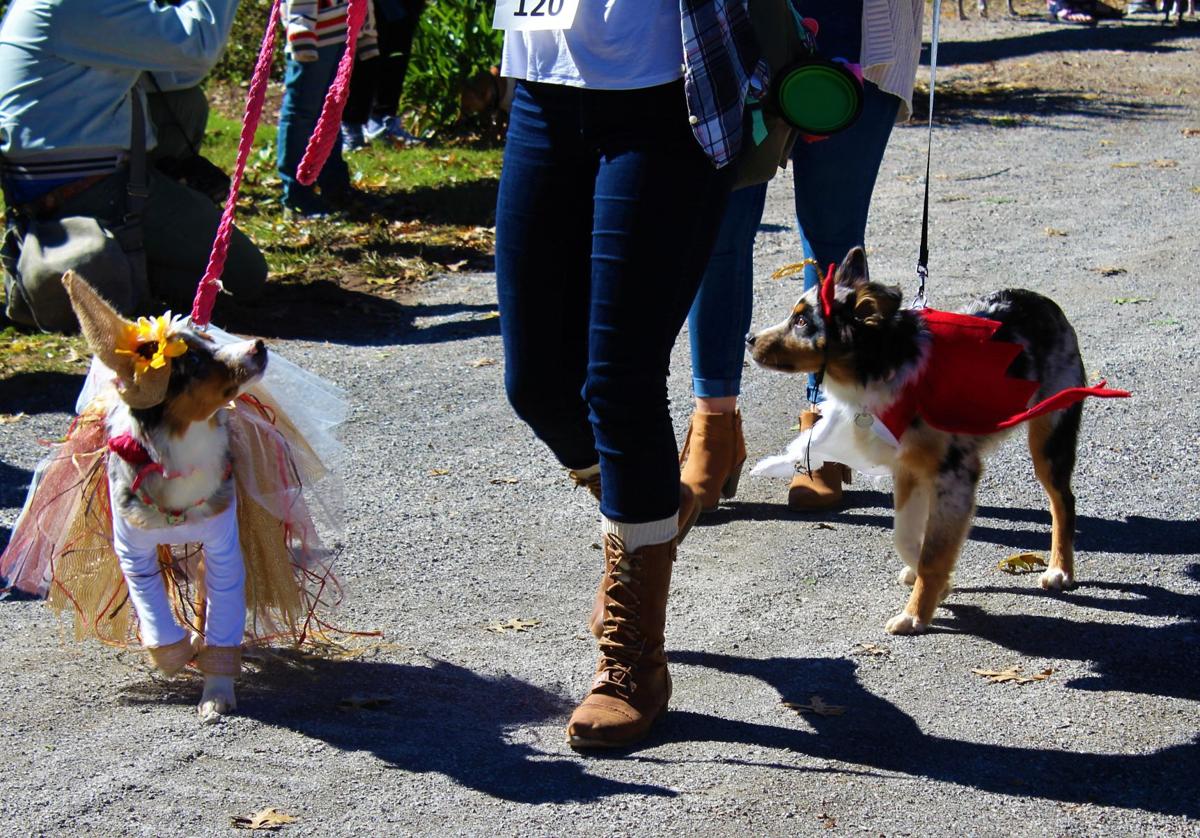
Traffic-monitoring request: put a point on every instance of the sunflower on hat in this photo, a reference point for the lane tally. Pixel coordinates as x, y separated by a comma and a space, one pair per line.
162, 332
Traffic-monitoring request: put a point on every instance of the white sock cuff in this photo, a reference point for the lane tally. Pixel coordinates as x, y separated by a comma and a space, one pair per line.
635, 536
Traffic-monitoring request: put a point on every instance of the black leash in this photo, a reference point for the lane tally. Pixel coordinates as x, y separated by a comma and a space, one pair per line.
923, 254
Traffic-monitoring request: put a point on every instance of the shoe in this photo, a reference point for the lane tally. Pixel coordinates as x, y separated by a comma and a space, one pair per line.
632, 685
820, 489
307, 205
390, 128
591, 482
689, 511
712, 458
353, 138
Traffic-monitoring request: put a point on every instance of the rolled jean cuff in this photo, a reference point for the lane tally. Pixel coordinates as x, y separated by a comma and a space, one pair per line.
716, 388
815, 396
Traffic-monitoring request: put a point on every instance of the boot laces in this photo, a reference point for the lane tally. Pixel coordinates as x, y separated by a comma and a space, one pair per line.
622, 643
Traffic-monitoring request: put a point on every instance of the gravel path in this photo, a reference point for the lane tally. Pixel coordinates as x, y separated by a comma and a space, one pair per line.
457, 519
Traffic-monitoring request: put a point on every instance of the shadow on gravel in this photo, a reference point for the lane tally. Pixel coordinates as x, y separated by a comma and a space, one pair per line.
438, 718
325, 311
883, 738
40, 392
1154, 660
1148, 39
1134, 534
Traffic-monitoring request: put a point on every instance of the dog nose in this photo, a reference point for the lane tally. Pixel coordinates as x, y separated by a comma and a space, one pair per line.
749, 339
259, 347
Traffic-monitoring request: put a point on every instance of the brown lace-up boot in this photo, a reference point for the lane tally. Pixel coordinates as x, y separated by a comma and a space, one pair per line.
632, 686
713, 455
591, 482
820, 489
689, 511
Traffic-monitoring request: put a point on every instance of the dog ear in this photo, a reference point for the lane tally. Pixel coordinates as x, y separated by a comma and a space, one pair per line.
853, 270
107, 331
874, 304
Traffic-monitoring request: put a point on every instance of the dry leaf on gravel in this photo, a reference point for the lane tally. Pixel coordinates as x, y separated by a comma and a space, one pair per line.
438, 472
793, 269
483, 362
1121, 301
1054, 231
1013, 674
1163, 163
1022, 563
364, 702
821, 525
455, 267
1109, 270
10, 418
1190, 132
872, 649
1124, 165
816, 706
504, 481
269, 818
515, 624
491, 315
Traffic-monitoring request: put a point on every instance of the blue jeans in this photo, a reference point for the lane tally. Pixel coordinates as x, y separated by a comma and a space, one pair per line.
305, 85
834, 179
606, 214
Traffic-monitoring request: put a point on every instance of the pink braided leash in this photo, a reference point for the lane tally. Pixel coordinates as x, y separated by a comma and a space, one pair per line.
320, 144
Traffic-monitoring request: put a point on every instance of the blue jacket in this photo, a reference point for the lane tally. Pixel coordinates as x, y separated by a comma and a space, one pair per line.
68, 68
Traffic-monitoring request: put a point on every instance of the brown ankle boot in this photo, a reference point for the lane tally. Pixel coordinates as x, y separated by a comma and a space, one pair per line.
592, 484
820, 489
689, 511
712, 457
632, 686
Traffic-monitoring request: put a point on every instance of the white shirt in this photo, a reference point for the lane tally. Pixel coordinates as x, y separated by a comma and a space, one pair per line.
613, 45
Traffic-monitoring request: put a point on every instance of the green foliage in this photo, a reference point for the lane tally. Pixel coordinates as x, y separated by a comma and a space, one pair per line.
245, 38
454, 42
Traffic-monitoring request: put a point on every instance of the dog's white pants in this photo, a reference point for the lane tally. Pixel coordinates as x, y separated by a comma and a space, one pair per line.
224, 578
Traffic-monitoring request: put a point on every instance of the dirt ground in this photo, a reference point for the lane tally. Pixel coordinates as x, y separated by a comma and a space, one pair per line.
1065, 160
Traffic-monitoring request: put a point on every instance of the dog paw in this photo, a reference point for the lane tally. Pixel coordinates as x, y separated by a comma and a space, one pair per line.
217, 700
907, 577
1056, 579
905, 623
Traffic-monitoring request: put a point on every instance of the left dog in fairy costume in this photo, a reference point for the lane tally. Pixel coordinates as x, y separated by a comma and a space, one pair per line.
170, 479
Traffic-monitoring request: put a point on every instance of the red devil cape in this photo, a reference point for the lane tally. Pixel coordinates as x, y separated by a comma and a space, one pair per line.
964, 388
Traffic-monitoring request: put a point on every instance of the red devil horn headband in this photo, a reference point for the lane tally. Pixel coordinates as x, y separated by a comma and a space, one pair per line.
827, 294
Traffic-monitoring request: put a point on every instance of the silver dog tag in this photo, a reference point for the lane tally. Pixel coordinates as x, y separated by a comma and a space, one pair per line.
864, 420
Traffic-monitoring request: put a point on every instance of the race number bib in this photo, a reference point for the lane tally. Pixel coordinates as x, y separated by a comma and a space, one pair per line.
534, 14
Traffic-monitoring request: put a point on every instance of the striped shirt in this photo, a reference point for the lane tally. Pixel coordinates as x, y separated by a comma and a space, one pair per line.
322, 23
891, 47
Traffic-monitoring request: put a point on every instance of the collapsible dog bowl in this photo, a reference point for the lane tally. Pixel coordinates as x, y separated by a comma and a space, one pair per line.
818, 96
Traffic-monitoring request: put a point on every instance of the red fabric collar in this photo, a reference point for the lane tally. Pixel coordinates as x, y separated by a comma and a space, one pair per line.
963, 388
127, 447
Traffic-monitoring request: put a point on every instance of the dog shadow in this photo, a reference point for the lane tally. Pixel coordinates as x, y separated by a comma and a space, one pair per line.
1133, 534
877, 736
440, 718
1155, 660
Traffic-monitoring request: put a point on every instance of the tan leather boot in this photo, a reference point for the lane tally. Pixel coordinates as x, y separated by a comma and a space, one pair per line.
689, 511
712, 457
820, 489
632, 686
592, 483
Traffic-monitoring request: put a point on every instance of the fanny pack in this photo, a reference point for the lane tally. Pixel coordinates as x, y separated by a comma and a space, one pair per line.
36, 252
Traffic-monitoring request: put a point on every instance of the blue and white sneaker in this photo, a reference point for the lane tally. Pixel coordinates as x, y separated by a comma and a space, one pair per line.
390, 128
353, 137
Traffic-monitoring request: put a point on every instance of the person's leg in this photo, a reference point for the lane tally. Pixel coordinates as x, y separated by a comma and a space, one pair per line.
714, 450
658, 204
395, 49
305, 86
179, 118
543, 242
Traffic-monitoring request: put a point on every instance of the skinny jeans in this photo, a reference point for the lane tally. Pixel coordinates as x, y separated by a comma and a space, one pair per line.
305, 84
606, 216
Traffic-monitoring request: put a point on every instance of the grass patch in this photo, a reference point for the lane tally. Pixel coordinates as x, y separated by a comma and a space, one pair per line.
22, 352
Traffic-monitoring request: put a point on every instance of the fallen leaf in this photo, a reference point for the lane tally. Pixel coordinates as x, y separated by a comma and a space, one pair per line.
1124, 165
455, 267
1052, 231
438, 472
1013, 674
1163, 163
491, 315
1109, 270
1190, 132
364, 702
793, 269
816, 705
483, 362
1021, 563
10, 418
269, 818
1127, 300
821, 525
872, 649
504, 481
827, 821
515, 624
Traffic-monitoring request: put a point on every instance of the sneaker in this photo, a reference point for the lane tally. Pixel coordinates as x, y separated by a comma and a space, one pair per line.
390, 129
353, 138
